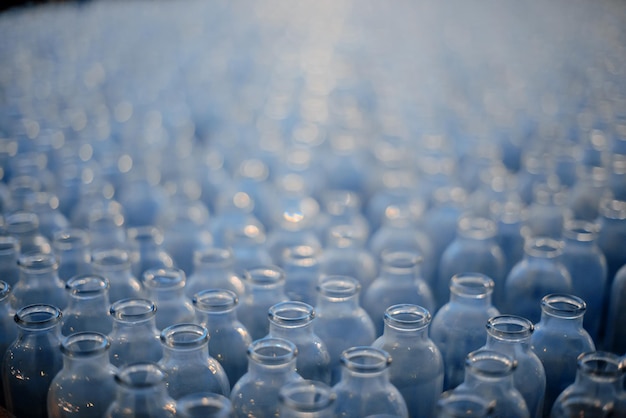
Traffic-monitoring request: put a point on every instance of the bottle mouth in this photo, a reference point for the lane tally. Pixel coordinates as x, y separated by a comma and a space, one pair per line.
38, 317
338, 202
268, 276
601, 365
110, 259
85, 344
301, 256
510, 327
215, 300
307, 396
140, 376
38, 263
133, 310
346, 236
87, 285
272, 351
489, 363
365, 359
613, 209
338, 287
407, 317
476, 227
291, 314
19, 223
184, 336
543, 247
146, 234
69, 239
563, 306
164, 279
472, 285
400, 261
582, 231
214, 257
205, 404
9, 245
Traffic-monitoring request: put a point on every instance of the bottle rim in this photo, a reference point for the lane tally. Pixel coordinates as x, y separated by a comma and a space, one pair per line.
407, 317
140, 375
543, 247
206, 404
366, 360
265, 276
581, 230
338, 287
307, 396
215, 257
133, 310
110, 259
85, 344
346, 236
291, 314
215, 300
164, 279
301, 256
563, 305
509, 327
9, 245
399, 260
184, 336
38, 263
272, 351
613, 209
472, 285
146, 233
476, 227
20, 222
490, 363
5, 290
87, 285
38, 316
68, 239
601, 365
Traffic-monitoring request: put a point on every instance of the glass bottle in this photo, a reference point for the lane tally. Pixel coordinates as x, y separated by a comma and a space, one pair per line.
8, 330
612, 235
364, 388
294, 321
417, 369
510, 218
46, 206
586, 265
615, 333
475, 249
548, 211
204, 405
539, 273
271, 365
595, 390
39, 282
265, 287
341, 322
107, 227
459, 326
340, 207
213, 269
71, 247
248, 247
558, 340
114, 265
134, 337
302, 268
146, 243
307, 399
24, 226
187, 363
399, 281
165, 287
32, 360
463, 405
216, 310
9, 255
88, 305
489, 375
141, 392
85, 386
510, 335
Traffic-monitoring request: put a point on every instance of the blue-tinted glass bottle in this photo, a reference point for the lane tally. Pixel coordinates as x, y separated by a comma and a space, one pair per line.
302, 267
88, 305
615, 333
165, 287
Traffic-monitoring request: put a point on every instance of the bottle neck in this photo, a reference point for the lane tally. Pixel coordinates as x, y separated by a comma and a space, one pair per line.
185, 356
417, 334
291, 332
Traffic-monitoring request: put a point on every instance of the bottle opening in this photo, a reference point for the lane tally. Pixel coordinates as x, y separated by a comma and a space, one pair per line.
563, 305
140, 376
38, 316
338, 287
70, 239
407, 317
474, 285
85, 344
476, 227
19, 223
307, 396
272, 351
613, 209
265, 276
8, 246
543, 247
133, 310
365, 359
582, 231
490, 363
215, 300
510, 327
184, 336
164, 279
401, 261
110, 259
602, 365
87, 285
213, 257
301, 256
291, 314
37, 263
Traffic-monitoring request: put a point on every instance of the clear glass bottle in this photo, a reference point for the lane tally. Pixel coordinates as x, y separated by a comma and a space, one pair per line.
417, 369
88, 305
39, 282
134, 337
294, 321
32, 360
463, 405
489, 375
510, 217
115, 265
341, 322
216, 310
214, 269
204, 405
165, 287
71, 247
539, 273
271, 365
141, 392
9, 255
24, 226
558, 340
364, 387
248, 247
265, 287
587, 267
458, 328
46, 206
510, 335
85, 386
596, 389
548, 211
340, 207
8, 330
187, 363
307, 399
475, 249
302, 267
146, 247
399, 281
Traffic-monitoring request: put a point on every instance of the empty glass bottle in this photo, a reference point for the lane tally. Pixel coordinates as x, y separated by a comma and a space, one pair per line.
141, 392
46, 206
134, 337
39, 282
489, 375
511, 218
85, 386
24, 226
399, 281
216, 310
271, 365
459, 326
88, 305
115, 266
548, 211
302, 267
32, 360
265, 287
8, 330
307, 399
341, 322
558, 340
612, 234
146, 247
463, 405
294, 321
204, 405
539, 273
417, 368
510, 335
9, 254
248, 247
615, 334
596, 390
364, 388
71, 247
165, 287
213, 269
187, 363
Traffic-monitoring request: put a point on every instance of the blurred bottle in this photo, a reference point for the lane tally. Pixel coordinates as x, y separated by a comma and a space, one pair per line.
24, 226
8, 330
615, 335
39, 282
88, 305
115, 265
204, 405
165, 287
214, 269
9, 255
302, 266
146, 249
71, 247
